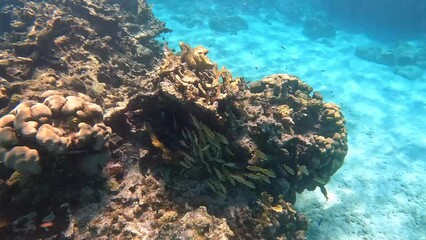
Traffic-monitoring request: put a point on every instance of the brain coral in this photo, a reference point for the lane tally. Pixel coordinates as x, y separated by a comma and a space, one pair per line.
35, 136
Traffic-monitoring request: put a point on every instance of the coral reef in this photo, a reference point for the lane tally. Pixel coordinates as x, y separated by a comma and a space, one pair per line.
196, 224
85, 46
279, 218
235, 125
210, 135
196, 153
407, 60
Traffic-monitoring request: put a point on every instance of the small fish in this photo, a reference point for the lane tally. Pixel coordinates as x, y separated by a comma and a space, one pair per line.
208, 153
174, 123
228, 151
243, 181
269, 173
228, 176
209, 170
324, 192
261, 155
5, 223
184, 164
222, 188
216, 144
253, 176
255, 168
47, 224
289, 169
194, 135
223, 139
156, 143
216, 188
197, 124
217, 160
304, 170
218, 174
219, 186
186, 156
282, 47
203, 137
183, 143
231, 164
265, 179
184, 135
205, 147
189, 134
208, 131
278, 208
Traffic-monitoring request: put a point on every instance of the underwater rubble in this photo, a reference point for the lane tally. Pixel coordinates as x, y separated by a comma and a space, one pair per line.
106, 135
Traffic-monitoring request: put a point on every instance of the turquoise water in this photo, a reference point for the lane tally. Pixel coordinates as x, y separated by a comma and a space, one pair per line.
379, 192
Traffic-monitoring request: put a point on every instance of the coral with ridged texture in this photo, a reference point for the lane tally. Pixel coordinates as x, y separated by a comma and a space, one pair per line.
36, 135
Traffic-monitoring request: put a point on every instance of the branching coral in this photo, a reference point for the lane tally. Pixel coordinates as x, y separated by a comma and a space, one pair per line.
195, 57
194, 75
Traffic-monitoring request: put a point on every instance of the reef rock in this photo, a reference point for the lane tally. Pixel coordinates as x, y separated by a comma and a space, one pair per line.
197, 224
406, 59
218, 137
409, 72
85, 46
273, 129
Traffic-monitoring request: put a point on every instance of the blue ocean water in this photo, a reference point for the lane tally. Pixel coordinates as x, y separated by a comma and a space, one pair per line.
379, 192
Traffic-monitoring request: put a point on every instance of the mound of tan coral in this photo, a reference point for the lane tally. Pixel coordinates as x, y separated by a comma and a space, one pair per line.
33, 135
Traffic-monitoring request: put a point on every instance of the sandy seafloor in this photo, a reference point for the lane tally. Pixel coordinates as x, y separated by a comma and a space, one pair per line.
379, 193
